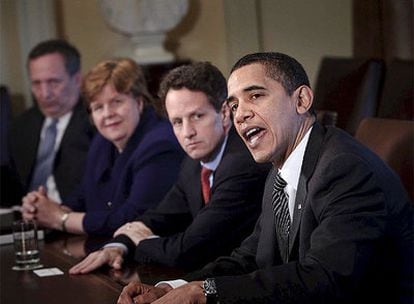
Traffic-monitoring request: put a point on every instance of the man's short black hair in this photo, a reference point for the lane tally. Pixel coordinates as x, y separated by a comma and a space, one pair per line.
70, 54
280, 67
200, 76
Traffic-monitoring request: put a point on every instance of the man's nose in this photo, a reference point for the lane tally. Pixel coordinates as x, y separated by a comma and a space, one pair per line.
242, 113
188, 129
45, 91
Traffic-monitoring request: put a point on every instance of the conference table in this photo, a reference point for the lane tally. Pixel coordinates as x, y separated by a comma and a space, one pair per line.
62, 251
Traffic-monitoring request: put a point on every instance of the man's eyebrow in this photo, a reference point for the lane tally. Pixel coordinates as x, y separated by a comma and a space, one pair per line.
230, 99
247, 89
253, 87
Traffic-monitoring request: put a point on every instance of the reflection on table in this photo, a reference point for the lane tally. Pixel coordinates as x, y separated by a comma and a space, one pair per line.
63, 251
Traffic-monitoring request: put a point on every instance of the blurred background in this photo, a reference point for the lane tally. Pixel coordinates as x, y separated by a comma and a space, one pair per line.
219, 31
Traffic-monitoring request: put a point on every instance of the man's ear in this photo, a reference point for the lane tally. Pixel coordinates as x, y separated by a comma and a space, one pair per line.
304, 99
225, 115
77, 77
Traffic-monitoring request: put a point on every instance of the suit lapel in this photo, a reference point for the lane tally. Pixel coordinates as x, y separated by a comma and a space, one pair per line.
193, 192
31, 139
309, 162
268, 252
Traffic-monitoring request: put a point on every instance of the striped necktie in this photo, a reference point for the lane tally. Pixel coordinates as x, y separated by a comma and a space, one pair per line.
45, 157
281, 207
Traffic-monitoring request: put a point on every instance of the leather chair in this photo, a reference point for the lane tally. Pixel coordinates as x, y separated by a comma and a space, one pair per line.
348, 88
393, 141
397, 98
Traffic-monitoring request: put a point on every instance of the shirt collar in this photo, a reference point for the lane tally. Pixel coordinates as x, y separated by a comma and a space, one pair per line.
290, 170
212, 165
61, 121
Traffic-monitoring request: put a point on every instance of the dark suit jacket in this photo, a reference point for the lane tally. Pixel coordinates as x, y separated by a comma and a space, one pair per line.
11, 190
70, 157
351, 240
193, 233
116, 187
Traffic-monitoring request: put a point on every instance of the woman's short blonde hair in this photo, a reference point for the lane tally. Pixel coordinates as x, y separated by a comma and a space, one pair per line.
124, 74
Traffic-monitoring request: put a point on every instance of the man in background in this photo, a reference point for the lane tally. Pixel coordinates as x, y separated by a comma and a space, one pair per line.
49, 142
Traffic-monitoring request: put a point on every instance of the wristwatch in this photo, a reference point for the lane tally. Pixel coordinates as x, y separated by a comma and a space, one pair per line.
210, 291
63, 220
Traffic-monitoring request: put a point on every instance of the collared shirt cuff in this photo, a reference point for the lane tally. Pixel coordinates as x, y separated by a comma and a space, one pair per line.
173, 283
152, 237
119, 245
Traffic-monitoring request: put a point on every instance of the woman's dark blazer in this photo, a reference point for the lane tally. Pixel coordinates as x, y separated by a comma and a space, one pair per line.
117, 187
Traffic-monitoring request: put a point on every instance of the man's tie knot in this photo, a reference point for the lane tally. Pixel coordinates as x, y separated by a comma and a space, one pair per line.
279, 183
205, 183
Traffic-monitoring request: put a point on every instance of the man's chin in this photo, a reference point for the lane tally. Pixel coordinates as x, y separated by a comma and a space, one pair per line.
199, 155
195, 155
52, 113
260, 157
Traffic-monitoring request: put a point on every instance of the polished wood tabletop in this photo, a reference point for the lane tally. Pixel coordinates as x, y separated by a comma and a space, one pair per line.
63, 251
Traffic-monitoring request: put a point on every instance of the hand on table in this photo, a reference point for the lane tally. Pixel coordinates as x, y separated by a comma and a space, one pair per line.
191, 293
139, 293
136, 231
136, 292
109, 255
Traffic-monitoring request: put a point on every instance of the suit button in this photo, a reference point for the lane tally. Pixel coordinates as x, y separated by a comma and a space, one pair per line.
109, 204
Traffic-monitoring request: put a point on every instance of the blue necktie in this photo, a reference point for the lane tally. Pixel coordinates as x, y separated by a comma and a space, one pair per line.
281, 207
45, 157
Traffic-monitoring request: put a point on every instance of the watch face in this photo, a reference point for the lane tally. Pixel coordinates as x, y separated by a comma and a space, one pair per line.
209, 287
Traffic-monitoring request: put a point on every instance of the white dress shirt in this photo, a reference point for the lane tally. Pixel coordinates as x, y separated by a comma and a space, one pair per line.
290, 171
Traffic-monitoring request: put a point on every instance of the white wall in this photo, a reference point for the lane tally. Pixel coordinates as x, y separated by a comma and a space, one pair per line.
219, 31
307, 30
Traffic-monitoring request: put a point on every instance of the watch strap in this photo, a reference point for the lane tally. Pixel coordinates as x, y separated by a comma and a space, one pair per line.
210, 291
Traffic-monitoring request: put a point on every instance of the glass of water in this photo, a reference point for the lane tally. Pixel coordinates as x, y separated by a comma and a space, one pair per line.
26, 247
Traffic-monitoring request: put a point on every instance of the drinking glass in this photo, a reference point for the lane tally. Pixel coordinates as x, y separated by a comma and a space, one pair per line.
26, 247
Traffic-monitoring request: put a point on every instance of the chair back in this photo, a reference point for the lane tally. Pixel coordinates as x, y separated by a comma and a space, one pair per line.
393, 141
350, 88
397, 99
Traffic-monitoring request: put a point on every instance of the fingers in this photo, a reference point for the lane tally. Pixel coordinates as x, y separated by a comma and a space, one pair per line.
28, 216
90, 263
122, 228
28, 202
28, 209
42, 190
146, 298
111, 256
117, 262
136, 292
128, 292
124, 299
136, 227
